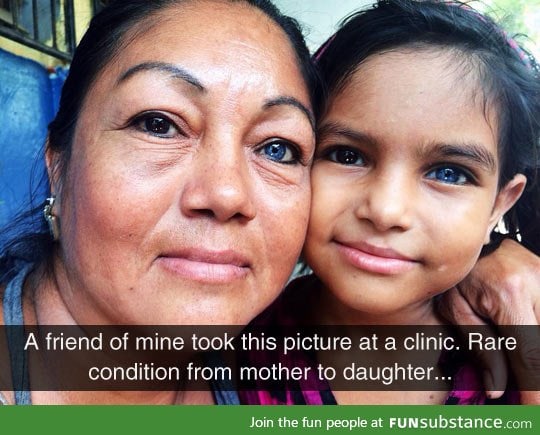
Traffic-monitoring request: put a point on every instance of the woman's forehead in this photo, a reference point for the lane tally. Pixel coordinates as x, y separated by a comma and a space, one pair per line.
209, 22
218, 39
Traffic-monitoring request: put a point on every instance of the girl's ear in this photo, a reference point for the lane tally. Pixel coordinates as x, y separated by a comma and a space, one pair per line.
506, 198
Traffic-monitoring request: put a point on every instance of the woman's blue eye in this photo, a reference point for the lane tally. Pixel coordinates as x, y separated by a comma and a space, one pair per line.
449, 175
279, 152
346, 156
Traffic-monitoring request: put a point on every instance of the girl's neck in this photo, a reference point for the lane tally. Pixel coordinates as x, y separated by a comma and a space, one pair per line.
390, 397
332, 311
329, 310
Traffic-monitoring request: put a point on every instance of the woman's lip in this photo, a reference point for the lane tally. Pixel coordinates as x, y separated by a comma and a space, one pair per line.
206, 266
384, 261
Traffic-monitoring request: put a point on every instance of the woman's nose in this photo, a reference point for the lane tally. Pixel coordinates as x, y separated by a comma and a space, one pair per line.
219, 184
387, 202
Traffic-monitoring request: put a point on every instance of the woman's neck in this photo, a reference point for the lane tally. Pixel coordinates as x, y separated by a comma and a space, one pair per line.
123, 397
43, 305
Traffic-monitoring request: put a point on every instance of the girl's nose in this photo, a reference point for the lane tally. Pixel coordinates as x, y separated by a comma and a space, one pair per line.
387, 202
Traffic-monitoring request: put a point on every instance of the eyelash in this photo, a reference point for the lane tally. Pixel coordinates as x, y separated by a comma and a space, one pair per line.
137, 122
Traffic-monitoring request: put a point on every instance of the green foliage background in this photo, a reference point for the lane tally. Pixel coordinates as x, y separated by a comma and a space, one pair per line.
518, 17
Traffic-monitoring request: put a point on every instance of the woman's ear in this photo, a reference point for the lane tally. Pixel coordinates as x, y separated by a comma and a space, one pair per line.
506, 198
52, 163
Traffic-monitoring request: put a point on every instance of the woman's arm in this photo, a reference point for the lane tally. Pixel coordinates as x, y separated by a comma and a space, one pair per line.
502, 289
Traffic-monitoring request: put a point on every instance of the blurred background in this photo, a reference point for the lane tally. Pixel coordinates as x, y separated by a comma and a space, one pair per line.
37, 39
319, 17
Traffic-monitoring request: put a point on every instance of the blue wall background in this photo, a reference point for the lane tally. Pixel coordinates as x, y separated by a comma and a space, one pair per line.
29, 96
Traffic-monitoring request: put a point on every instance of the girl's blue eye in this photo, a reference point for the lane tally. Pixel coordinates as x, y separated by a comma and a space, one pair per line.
449, 175
280, 152
346, 156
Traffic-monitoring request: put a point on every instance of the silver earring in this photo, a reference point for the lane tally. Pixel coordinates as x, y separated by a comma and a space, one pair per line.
52, 220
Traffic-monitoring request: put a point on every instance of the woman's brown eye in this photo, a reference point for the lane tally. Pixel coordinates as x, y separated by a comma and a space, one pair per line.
158, 126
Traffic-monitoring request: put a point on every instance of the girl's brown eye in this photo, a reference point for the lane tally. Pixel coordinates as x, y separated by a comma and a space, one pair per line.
345, 156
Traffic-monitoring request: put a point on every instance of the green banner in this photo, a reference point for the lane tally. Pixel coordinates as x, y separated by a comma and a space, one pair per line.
261, 420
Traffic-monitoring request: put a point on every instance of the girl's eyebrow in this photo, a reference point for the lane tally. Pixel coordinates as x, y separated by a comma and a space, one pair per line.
470, 151
337, 129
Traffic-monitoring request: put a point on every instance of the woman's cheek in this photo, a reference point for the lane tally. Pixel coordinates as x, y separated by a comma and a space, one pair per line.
285, 226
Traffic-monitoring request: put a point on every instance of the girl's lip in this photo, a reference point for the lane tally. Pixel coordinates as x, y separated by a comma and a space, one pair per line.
205, 265
377, 251
374, 259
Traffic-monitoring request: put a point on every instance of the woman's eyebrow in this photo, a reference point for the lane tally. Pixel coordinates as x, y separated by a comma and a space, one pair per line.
169, 69
182, 74
291, 101
470, 151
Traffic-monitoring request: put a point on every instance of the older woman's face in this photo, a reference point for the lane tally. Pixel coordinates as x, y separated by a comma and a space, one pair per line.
187, 193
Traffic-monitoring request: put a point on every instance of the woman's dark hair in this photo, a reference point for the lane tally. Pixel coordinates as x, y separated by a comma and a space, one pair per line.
509, 78
110, 30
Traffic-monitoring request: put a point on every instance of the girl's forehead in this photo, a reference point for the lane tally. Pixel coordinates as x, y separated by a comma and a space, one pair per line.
429, 82
414, 98
417, 66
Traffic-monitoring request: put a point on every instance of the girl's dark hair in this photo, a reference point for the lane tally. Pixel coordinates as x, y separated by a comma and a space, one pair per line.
27, 237
509, 78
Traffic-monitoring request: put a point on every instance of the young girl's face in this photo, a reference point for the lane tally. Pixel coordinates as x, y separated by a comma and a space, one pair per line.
404, 183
